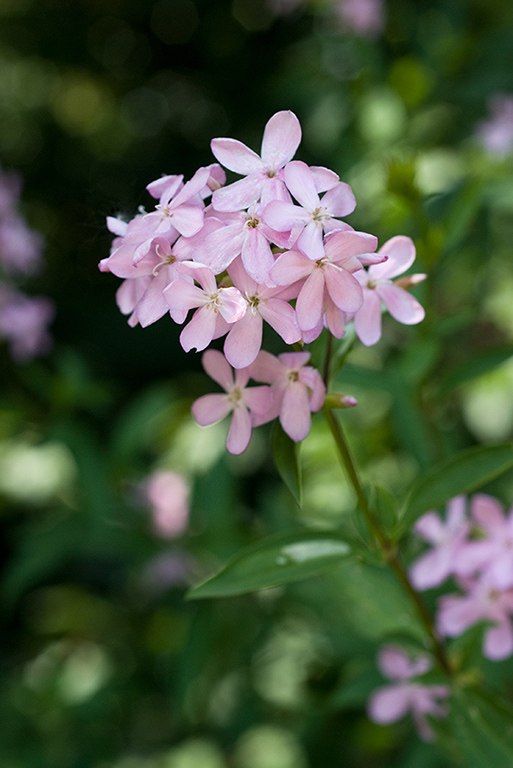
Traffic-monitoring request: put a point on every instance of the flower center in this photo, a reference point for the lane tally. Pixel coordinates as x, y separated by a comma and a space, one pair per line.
253, 302
213, 301
235, 396
164, 210
293, 376
320, 215
252, 222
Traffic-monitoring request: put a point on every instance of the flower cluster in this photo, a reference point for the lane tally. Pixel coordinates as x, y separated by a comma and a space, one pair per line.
477, 551
24, 319
406, 693
270, 247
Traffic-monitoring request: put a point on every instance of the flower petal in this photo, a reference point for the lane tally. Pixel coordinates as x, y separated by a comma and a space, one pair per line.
310, 300
282, 135
300, 183
295, 411
290, 267
198, 333
344, 289
209, 409
281, 316
236, 156
401, 255
239, 433
217, 367
388, 704
402, 305
244, 340
367, 321
339, 200
241, 194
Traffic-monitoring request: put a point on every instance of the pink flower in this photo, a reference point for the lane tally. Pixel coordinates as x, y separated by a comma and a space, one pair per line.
378, 287
496, 133
331, 275
298, 390
24, 323
244, 338
239, 399
482, 602
181, 210
217, 306
262, 180
315, 217
493, 555
168, 495
392, 702
247, 236
448, 541
363, 17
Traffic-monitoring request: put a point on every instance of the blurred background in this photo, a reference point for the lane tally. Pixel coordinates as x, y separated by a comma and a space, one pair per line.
112, 501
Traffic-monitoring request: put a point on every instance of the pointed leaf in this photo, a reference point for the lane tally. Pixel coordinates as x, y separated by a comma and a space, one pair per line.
483, 729
277, 560
462, 473
286, 458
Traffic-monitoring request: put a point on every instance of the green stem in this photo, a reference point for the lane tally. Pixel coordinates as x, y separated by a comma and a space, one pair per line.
387, 546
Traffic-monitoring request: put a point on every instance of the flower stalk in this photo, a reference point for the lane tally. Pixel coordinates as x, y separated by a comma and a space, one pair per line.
386, 545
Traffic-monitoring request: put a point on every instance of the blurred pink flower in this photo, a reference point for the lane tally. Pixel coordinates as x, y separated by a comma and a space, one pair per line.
363, 17
392, 702
482, 602
496, 133
492, 556
168, 495
448, 540
24, 323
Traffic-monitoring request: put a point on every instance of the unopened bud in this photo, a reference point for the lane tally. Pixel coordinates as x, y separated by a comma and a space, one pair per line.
409, 281
334, 400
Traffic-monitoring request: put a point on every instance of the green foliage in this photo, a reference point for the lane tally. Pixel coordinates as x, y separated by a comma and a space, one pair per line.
274, 561
105, 664
463, 473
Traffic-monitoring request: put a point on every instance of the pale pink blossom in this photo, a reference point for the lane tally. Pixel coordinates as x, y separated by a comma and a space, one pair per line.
168, 493
492, 555
267, 304
298, 390
182, 210
216, 305
378, 287
313, 217
263, 180
24, 322
248, 236
363, 17
327, 279
448, 542
482, 602
405, 694
496, 133
240, 400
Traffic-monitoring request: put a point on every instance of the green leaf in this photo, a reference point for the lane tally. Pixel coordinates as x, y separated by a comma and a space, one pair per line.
286, 458
462, 473
277, 560
479, 364
483, 729
374, 602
